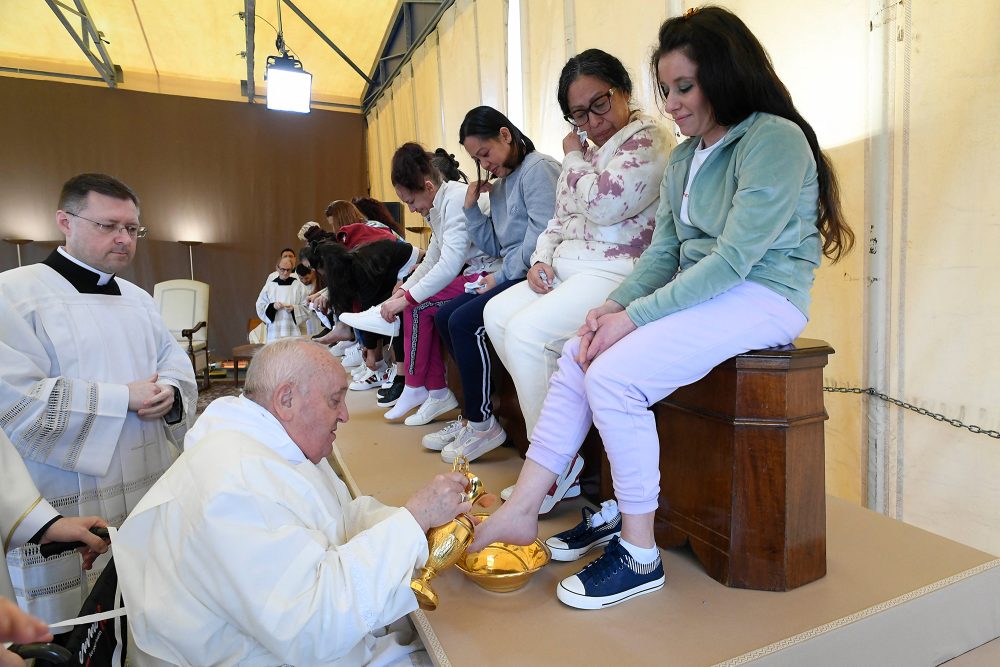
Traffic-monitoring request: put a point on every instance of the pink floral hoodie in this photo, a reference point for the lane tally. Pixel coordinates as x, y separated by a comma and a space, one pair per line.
606, 198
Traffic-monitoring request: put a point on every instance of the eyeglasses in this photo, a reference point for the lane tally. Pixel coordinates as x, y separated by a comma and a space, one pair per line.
600, 106
110, 229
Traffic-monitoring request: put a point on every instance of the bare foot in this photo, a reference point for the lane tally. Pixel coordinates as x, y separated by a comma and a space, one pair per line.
339, 332
507, 524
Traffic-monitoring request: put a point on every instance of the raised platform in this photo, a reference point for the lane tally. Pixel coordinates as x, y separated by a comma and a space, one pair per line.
893, 594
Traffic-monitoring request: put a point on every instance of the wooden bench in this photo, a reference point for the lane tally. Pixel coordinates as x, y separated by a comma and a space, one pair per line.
742, 468
742, 465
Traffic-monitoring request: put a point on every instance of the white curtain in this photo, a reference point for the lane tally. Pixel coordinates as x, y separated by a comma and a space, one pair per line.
901, 97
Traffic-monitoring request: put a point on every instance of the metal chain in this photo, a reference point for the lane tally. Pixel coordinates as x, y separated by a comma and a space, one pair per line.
870, 391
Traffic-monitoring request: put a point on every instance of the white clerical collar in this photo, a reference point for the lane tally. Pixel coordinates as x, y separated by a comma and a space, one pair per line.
103, 278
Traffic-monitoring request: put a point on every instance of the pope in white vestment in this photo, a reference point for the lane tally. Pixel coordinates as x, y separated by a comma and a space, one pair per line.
250, 549
67, 357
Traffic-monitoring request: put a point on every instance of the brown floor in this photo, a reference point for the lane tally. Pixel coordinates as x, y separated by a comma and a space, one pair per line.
693, 621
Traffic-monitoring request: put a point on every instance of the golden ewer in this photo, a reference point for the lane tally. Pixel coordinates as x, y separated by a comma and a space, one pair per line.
447, 543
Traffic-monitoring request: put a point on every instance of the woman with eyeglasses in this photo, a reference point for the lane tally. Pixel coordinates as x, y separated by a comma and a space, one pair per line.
522, 200
750, 206
606, 200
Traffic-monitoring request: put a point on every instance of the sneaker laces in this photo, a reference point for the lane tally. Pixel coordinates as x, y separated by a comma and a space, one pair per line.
607, 514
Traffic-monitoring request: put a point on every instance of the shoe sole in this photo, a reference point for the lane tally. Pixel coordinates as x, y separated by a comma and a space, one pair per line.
449, 457
578, 601
434, 446
355, 386
567, 555
387, 330
386, 404
574, 474
413, 420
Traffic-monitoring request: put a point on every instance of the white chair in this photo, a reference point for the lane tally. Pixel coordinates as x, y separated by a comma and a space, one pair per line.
184, 309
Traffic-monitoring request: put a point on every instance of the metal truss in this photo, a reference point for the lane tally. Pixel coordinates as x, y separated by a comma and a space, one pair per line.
88, 38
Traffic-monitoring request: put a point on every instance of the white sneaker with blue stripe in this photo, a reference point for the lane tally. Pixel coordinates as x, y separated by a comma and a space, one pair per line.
613, 578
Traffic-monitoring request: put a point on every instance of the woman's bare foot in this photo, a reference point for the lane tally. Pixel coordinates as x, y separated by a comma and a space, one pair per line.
339, 332
508, 524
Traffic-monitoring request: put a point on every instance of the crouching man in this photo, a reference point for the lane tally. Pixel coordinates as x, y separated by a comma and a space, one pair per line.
250, 549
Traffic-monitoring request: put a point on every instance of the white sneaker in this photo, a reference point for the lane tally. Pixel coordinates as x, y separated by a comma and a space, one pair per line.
431, 409
472, 444
358, 372
353, 356
371, 320
338, 349
369, 379
567, 485
438, 439
392, 376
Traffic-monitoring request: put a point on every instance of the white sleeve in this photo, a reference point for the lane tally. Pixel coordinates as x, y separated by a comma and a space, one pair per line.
305, 599
69, 423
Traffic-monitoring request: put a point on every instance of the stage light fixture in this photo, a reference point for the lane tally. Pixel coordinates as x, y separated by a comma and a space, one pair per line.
289, 87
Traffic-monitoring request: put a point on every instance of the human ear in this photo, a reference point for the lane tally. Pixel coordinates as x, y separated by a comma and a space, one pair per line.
506, 136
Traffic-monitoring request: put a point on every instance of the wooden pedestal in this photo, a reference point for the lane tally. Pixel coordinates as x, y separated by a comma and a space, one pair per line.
742, 468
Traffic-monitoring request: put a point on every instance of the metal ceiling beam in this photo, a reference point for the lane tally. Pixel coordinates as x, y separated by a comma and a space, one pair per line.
250, 24
329, 42
101, 61
414, 20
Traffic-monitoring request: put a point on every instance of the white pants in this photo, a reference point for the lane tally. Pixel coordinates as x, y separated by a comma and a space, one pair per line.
521, 323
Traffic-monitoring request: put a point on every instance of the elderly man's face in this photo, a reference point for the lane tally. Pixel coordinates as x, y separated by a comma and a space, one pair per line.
319, 407
98, 238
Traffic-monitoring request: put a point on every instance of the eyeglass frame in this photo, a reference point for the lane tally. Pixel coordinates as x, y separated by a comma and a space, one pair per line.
571, 119
113, 228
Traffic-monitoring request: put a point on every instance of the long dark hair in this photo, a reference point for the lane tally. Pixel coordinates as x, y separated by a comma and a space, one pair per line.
375, 210
598, 64
485, 123
352, 274
412, 165
737, 77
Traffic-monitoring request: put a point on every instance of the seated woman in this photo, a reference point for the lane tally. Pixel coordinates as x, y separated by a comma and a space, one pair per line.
375, 211
749, 206
606, 201
521, 204
429, 184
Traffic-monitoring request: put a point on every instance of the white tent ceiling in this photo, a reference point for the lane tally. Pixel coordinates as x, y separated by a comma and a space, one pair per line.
193, 47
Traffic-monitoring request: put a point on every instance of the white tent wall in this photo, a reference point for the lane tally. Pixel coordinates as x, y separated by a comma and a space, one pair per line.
881, 85
944, 309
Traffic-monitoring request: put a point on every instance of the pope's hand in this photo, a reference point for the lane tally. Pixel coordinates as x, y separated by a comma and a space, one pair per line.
440, 501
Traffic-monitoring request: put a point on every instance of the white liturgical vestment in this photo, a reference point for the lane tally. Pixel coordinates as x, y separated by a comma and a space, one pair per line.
285, 323
23, 511
247, 553
66, 358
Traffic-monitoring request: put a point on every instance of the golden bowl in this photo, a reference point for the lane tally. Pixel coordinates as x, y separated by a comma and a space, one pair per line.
502, 567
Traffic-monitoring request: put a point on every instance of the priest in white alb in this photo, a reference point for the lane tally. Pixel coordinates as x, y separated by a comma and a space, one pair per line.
95, 393
281, 304
250, 550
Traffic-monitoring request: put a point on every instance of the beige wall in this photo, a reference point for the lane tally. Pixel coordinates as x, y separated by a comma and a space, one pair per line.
237, 177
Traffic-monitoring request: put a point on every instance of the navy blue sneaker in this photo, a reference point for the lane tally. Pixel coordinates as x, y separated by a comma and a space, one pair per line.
613, 578
582, 538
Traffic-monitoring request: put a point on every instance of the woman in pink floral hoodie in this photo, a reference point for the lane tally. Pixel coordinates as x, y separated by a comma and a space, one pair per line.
606, 200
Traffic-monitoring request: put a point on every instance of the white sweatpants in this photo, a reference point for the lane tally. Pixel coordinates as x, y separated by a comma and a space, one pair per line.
521, 323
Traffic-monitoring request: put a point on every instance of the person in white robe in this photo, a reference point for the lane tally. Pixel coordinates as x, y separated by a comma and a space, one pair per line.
27, 517
250, 550
281, 304
95, 393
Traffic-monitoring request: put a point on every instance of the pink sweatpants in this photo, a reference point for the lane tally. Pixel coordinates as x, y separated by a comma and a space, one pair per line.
640, 369
424, 365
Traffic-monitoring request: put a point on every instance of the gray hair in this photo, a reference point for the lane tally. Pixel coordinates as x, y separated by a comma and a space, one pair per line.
279, 362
